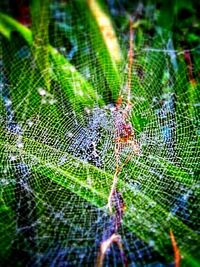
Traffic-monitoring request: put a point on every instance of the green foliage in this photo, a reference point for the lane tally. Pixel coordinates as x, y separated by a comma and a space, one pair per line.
47, 72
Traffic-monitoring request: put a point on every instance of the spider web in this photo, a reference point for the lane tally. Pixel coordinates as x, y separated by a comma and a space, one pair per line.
58, 148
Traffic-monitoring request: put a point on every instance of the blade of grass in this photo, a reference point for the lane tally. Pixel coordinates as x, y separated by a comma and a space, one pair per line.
40, 33
143, 215
104, 44
78, 92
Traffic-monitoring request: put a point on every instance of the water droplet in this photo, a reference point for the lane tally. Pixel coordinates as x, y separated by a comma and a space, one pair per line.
52, 101
151, 243
30, 123
41, 91
12, 157
72, 69
20, 144
8, 102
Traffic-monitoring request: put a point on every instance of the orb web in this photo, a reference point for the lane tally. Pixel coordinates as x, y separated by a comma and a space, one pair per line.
58, 136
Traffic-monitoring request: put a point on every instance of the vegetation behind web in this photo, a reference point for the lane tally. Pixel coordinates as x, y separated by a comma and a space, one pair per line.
62, 72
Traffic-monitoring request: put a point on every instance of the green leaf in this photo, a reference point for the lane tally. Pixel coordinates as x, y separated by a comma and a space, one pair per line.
78, 91
8, 25
105, 46
40, 29
146, 218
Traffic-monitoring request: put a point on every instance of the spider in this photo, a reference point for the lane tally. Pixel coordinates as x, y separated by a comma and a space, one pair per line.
124, 136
